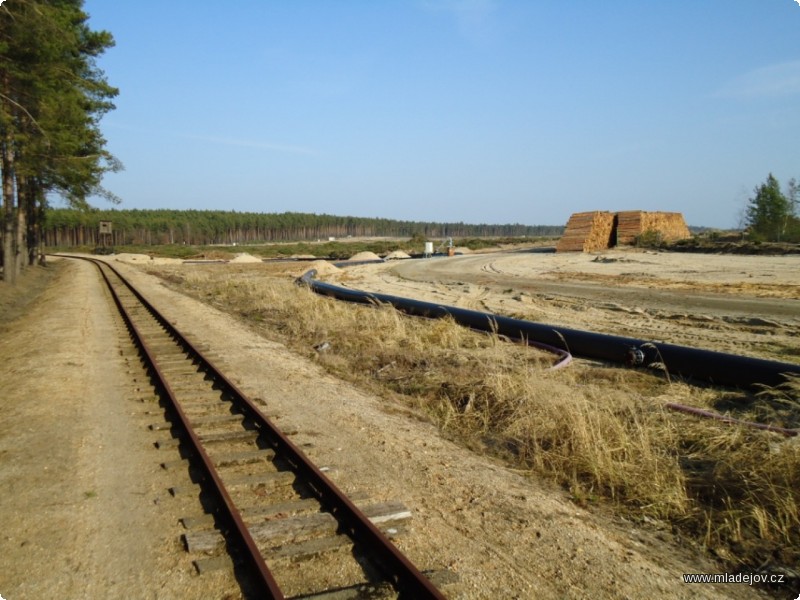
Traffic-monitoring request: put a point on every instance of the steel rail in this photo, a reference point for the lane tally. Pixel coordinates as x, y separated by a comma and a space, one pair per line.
707, 365
265, 580
397, 568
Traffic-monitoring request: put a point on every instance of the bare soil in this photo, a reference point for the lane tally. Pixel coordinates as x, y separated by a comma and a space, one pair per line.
85, 507
86, 512
742, 304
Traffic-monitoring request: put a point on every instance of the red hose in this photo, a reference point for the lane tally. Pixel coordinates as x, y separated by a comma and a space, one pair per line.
699, 412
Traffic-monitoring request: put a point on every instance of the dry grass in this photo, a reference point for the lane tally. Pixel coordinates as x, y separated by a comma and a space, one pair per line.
601, 432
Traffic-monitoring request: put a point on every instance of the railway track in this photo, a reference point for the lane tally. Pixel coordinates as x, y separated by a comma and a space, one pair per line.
268, 511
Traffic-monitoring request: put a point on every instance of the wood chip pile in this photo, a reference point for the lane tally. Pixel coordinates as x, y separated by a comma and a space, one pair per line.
633, 223
587, 231
600, 230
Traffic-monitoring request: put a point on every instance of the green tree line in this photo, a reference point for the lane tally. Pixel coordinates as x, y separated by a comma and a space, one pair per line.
52, 96
72, 227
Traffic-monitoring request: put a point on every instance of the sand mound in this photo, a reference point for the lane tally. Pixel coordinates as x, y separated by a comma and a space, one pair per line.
244, 257
365, 256
462, 250
132, 258
323, 268
396, 255
144, 259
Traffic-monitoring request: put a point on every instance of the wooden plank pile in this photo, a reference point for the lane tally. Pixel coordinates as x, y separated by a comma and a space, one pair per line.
629, 226
587, 232
633, 223
599, 230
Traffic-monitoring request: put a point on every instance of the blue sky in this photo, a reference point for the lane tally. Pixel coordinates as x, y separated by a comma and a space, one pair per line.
481, 111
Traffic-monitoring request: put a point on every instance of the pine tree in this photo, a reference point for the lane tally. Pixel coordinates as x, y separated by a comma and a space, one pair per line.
52, 96
768, 212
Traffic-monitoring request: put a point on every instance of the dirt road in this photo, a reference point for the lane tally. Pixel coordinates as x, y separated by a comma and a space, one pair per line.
638, 279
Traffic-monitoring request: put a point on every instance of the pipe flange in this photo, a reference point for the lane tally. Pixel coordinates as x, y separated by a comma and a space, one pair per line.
635, 356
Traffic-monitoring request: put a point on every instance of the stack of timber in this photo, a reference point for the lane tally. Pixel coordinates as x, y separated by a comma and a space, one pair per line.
600, 230
587, 232
633, 223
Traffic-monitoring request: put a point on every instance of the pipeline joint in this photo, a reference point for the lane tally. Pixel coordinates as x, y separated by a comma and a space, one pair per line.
634, 357
305, 278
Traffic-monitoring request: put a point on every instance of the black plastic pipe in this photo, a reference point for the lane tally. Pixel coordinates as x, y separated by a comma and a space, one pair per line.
706, 365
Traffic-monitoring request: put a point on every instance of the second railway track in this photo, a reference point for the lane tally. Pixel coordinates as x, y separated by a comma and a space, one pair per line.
268, 511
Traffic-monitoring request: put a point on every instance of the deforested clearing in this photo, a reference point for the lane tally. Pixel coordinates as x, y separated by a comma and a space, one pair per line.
602, 432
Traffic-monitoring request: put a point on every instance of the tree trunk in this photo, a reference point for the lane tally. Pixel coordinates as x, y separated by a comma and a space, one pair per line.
21, 246
9, 213
34, 211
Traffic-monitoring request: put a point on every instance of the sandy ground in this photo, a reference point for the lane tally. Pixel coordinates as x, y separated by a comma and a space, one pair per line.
85, 508
741, 304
